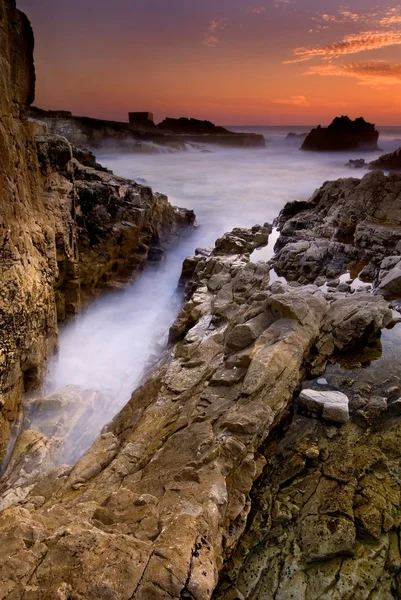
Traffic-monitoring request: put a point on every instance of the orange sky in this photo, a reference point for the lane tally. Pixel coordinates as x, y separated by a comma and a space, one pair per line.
234, 62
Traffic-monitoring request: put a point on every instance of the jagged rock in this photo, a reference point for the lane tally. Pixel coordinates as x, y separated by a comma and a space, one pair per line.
333, 406
388, 162
346, 224
188, 441
358, 163
343, 134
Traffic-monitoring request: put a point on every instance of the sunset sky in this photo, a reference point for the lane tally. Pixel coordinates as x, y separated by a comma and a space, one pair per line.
231, 61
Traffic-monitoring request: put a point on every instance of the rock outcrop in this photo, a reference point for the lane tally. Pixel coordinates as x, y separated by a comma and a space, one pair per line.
140, 136
347, 225
68, 227
162, 500
196, 126
387, 162
343, 134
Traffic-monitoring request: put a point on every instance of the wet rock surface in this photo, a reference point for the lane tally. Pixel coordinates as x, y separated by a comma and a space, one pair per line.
168, 488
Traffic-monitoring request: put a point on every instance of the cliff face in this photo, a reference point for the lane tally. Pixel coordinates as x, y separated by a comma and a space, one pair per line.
67, 229
27, 312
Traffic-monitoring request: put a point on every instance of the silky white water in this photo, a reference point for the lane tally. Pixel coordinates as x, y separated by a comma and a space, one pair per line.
110, 345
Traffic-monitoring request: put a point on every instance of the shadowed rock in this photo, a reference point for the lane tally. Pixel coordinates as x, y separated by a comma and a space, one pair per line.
343, 134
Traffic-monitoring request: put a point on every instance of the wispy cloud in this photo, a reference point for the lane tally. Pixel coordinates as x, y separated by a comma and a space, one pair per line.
258, 10
293, 101
350, 44
374, 73
381, 17
211, 38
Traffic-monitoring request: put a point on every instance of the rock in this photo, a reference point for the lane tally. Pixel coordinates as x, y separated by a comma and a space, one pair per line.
140, 134
292, 135
69, 228
391, 283
358, 163
388, 162
184, 125
345, 223
333, 406
343, 134
243, 241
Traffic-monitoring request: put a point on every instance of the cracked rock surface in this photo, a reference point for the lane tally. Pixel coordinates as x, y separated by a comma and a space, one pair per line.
160, 503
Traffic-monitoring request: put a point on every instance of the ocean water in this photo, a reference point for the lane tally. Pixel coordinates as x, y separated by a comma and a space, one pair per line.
110, 345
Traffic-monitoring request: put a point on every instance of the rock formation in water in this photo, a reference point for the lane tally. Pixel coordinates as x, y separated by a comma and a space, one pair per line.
141, 135
166, 499
296, 136
388, 162
343, 134
196, 126
68, 227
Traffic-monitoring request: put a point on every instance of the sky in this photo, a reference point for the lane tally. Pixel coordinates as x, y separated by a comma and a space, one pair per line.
243, 62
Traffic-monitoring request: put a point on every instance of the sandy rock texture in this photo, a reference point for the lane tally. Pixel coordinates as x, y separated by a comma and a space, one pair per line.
28, 325
159, 504
68, 228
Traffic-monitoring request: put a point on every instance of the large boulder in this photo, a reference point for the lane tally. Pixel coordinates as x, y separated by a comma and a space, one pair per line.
343, 134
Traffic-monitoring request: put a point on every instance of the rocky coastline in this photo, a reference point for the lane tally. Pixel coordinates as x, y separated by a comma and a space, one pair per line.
247, 465
171, 134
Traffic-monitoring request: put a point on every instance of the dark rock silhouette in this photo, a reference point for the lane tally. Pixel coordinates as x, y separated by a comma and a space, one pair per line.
185, 125
388, 162
292, 135
343, 134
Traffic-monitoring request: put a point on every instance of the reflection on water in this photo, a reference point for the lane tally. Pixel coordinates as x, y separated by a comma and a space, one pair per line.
373, 369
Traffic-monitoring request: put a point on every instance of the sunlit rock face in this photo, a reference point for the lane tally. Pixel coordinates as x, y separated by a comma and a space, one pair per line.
28, 254
68, 227
167, 488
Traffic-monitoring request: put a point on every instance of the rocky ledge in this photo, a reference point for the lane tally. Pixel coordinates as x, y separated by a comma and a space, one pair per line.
168, 501
343, 134
349, 225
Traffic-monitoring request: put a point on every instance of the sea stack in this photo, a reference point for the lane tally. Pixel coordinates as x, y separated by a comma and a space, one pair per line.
343, 134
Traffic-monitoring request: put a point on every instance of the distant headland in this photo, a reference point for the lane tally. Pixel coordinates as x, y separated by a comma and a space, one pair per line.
175, 133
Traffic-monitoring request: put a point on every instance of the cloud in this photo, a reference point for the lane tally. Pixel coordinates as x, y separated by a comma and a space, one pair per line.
374, 73
258, 10
385, 17
211, 37
350, 44
293, 101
